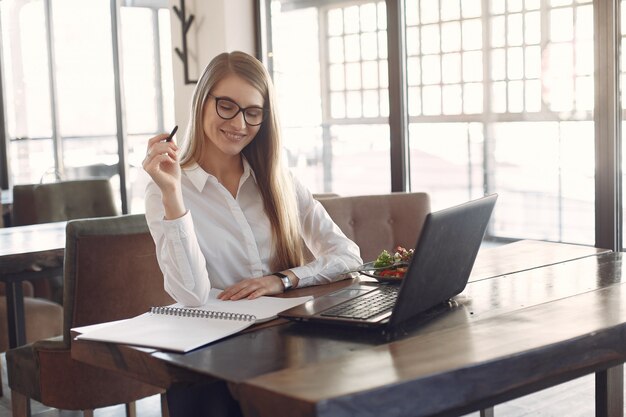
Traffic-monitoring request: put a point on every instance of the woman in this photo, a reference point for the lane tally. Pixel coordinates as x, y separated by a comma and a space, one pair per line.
223, 211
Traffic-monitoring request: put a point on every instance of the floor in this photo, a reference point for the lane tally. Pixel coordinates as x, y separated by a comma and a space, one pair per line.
573, 399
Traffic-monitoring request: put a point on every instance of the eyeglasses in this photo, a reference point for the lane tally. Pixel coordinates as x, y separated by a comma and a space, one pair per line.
228, 109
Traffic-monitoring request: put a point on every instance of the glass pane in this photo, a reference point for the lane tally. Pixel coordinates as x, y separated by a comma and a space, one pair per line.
471, 8
498, 64
451, 37
337, 105
139, 38
498, 31
413, 71
429, 11
415, 101
452, 99
473, 98
451, 68
515, 63
353, 76
447, 161
351, 19
370, 103
532, 33
412, 12
353, 104
584, 93
561, 25
382, 45
584, 23
383, 69
335, 49
368, 46
27, 92
412, 41
533, 95
430, 39
431, 69
431, 96
515, 6
370, 74
473, 66
337, 78
515, 29
368, 17
532, 62
353, 48
84, 68
472, 34
335, 22
516, 96
450, 10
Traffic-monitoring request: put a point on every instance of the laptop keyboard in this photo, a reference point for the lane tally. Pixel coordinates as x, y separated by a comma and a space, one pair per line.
367, 306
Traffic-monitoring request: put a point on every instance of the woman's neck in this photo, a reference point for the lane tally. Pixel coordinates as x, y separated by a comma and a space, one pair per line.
227, 169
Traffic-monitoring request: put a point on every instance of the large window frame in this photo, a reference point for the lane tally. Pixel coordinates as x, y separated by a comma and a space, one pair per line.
606, 117
120, 123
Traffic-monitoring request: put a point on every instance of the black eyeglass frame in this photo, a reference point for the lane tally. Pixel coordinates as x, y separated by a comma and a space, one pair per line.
242, 110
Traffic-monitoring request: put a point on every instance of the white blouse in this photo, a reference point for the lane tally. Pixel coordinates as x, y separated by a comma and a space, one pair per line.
222, 240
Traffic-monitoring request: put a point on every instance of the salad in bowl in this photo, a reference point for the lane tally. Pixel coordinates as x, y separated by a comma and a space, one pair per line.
389, 267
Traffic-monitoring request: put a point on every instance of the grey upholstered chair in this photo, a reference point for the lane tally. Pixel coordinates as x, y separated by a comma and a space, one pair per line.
64, 200
377, 222
110, 273
60, 201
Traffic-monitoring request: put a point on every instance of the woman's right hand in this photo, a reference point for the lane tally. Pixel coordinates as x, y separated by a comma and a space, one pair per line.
161, 163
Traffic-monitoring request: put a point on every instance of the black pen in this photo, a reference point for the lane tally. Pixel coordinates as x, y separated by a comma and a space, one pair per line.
171, 136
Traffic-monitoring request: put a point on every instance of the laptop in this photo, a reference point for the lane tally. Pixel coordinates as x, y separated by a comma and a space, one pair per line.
439, 269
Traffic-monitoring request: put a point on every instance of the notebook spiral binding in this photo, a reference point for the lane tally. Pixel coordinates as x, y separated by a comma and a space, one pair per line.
205, 314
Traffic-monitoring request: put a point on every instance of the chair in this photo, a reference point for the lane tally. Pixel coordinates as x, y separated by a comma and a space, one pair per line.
377, 222
110, 273
60, 201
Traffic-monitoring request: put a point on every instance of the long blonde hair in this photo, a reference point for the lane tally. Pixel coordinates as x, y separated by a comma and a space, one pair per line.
263, 153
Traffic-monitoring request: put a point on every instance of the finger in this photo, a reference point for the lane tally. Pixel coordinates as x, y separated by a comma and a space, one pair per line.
242, 293
257, 293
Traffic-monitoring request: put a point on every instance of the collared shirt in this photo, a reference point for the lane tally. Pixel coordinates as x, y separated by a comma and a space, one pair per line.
222, 239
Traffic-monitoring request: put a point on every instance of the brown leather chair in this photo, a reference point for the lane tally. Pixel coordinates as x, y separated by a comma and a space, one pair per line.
377, 222
110, 273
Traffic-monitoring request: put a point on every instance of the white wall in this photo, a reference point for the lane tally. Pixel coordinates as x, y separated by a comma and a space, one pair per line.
218, 26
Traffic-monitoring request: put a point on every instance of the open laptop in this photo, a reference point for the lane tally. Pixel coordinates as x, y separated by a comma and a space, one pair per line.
439, 269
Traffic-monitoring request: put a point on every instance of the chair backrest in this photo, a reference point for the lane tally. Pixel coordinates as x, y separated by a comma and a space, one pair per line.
110, 271
377, 222
60, 201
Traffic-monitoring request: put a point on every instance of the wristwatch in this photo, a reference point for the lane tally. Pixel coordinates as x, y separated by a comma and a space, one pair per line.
285, 279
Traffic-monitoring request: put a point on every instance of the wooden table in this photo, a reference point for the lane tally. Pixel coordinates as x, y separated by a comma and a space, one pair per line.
24, 250
504, 337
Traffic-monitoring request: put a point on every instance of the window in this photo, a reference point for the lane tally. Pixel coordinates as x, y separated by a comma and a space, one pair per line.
59, 78
333, 94
500, 98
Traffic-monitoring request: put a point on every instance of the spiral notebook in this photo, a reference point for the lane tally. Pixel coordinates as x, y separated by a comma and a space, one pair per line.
181, 329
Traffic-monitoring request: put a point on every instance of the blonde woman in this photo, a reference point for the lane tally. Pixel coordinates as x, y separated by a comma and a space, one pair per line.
222, 209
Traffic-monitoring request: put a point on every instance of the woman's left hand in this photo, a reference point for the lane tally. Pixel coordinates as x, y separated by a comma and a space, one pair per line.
252, 288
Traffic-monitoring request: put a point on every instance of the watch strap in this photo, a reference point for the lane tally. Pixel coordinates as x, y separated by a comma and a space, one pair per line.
285, 279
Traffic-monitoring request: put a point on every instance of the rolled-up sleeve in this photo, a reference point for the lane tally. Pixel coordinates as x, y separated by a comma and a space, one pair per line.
178, 252
334, 253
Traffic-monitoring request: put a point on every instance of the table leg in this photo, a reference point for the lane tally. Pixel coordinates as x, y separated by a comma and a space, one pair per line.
610, 392
487, 412
15, 314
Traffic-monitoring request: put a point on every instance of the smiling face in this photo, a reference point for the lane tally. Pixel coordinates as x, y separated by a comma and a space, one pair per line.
227, 138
